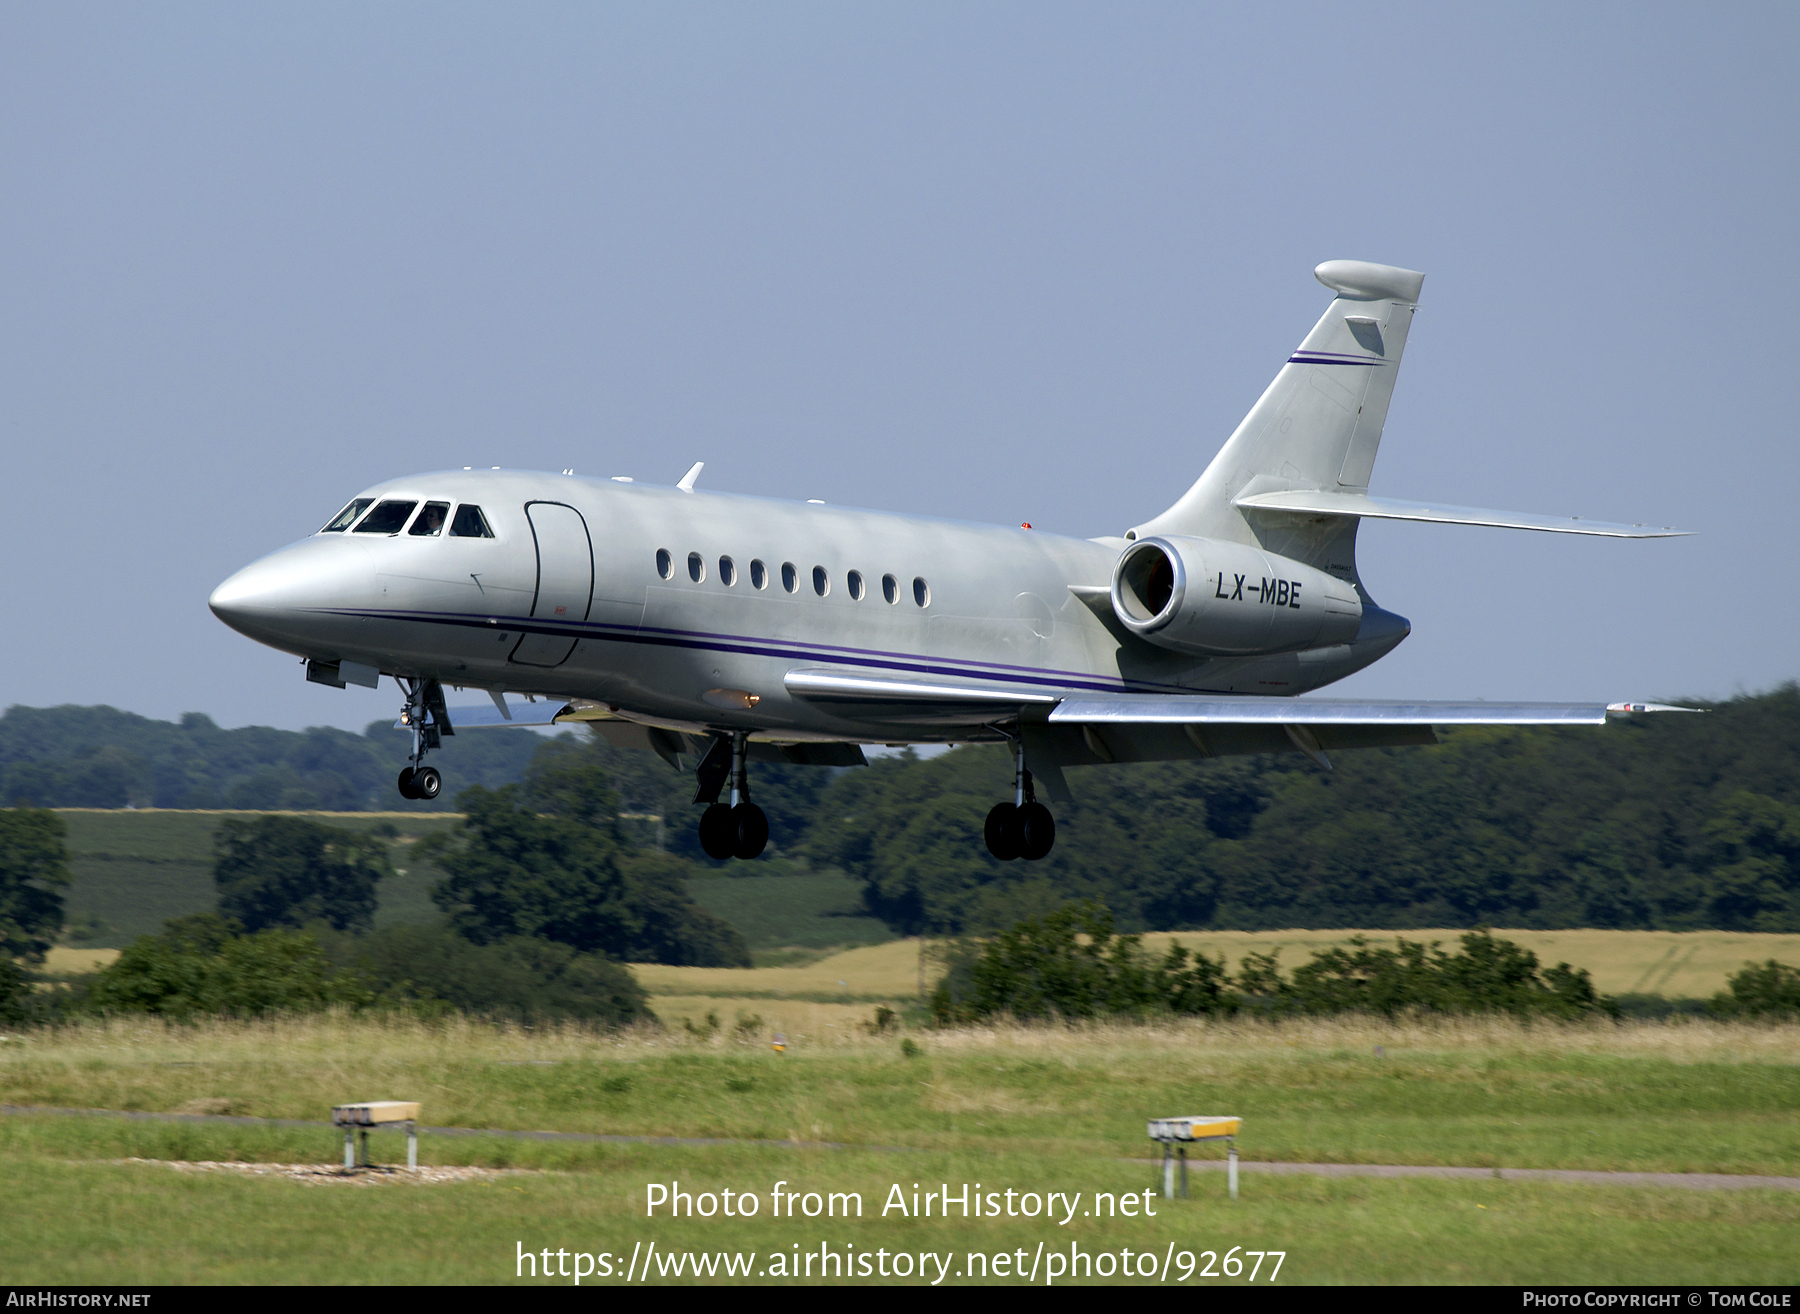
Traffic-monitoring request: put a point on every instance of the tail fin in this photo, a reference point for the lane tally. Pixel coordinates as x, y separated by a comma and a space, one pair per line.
1316, 427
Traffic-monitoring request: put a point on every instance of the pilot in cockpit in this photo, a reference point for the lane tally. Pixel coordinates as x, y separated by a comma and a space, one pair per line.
431, 520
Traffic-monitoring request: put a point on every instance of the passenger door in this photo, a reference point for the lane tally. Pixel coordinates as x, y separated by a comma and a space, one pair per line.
565, 585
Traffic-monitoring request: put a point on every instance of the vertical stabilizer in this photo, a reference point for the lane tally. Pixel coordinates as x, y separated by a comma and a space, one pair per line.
1316, 427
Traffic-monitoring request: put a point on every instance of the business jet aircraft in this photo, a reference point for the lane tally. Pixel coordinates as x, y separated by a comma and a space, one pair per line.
727, 630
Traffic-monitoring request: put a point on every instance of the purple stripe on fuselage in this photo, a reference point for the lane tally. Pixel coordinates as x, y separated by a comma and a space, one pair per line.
757, 647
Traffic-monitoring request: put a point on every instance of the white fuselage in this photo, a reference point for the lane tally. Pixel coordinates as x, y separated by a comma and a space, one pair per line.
525, 611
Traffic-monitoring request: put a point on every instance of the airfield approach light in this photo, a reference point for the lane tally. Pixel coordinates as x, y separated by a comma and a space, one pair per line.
1177, 1133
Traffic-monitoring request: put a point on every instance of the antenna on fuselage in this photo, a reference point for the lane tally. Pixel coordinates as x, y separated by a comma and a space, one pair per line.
687, 480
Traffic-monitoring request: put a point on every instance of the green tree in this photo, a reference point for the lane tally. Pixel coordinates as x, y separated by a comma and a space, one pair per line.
1488, 975
1752, 863
520, 979
1676, 822
15, 991
204, 965
647, 786
547, 860
33, 867
288, 871
1071, 964
1768, 989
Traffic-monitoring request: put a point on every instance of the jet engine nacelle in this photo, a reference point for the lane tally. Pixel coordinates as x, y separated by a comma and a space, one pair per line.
1219, 599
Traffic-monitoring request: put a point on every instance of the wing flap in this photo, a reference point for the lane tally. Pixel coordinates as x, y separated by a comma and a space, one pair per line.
910, 701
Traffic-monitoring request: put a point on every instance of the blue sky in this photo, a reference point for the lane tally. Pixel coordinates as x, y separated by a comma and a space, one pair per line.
994, 261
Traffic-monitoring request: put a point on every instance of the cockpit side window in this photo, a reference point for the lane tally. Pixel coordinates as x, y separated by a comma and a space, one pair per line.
470, 523
430, 522
347, 517
387, 518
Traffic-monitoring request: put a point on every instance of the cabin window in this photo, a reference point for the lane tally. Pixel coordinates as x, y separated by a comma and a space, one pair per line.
696, 567
759, 575
665, 564
854, 582
470, 523
430, 521
821, 581
890, 589
387, 518
727, 571
790, 578
921, 592
347, 517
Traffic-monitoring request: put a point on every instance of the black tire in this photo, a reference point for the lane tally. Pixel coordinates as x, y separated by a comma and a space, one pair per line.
750, 829
1001, 831
406, 784
717, 834
1037, 831
427, 783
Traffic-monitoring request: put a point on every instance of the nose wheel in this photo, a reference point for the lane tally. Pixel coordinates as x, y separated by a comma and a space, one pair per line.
422, 783
1023, 828
428, 719
738, 829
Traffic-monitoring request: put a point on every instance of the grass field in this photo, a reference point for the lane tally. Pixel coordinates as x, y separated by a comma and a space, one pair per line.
136, 869
819, 995
1032, 1109
1028, 1109
1694, 964
1691, 964
814, 910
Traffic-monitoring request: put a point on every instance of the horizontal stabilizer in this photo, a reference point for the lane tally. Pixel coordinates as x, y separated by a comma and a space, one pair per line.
1321, 502
1250, 709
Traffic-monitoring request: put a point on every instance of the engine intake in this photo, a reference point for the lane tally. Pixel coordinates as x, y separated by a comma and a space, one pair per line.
1222, 599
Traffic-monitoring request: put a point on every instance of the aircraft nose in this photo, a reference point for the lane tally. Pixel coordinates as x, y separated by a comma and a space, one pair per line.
239, 598
283, 597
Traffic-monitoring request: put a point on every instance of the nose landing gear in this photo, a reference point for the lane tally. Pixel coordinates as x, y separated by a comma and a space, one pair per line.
738, 829
428, 719
1023, 828
423, 782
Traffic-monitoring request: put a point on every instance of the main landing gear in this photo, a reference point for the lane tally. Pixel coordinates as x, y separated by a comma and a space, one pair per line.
738, 829
1023, 828
424, 699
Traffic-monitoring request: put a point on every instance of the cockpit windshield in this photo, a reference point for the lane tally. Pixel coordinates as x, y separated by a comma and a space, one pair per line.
430, 522
347, 517
387, 518
470, 523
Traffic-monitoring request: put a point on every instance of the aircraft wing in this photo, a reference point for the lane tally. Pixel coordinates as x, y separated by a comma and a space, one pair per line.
1242, 709
1319, 502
